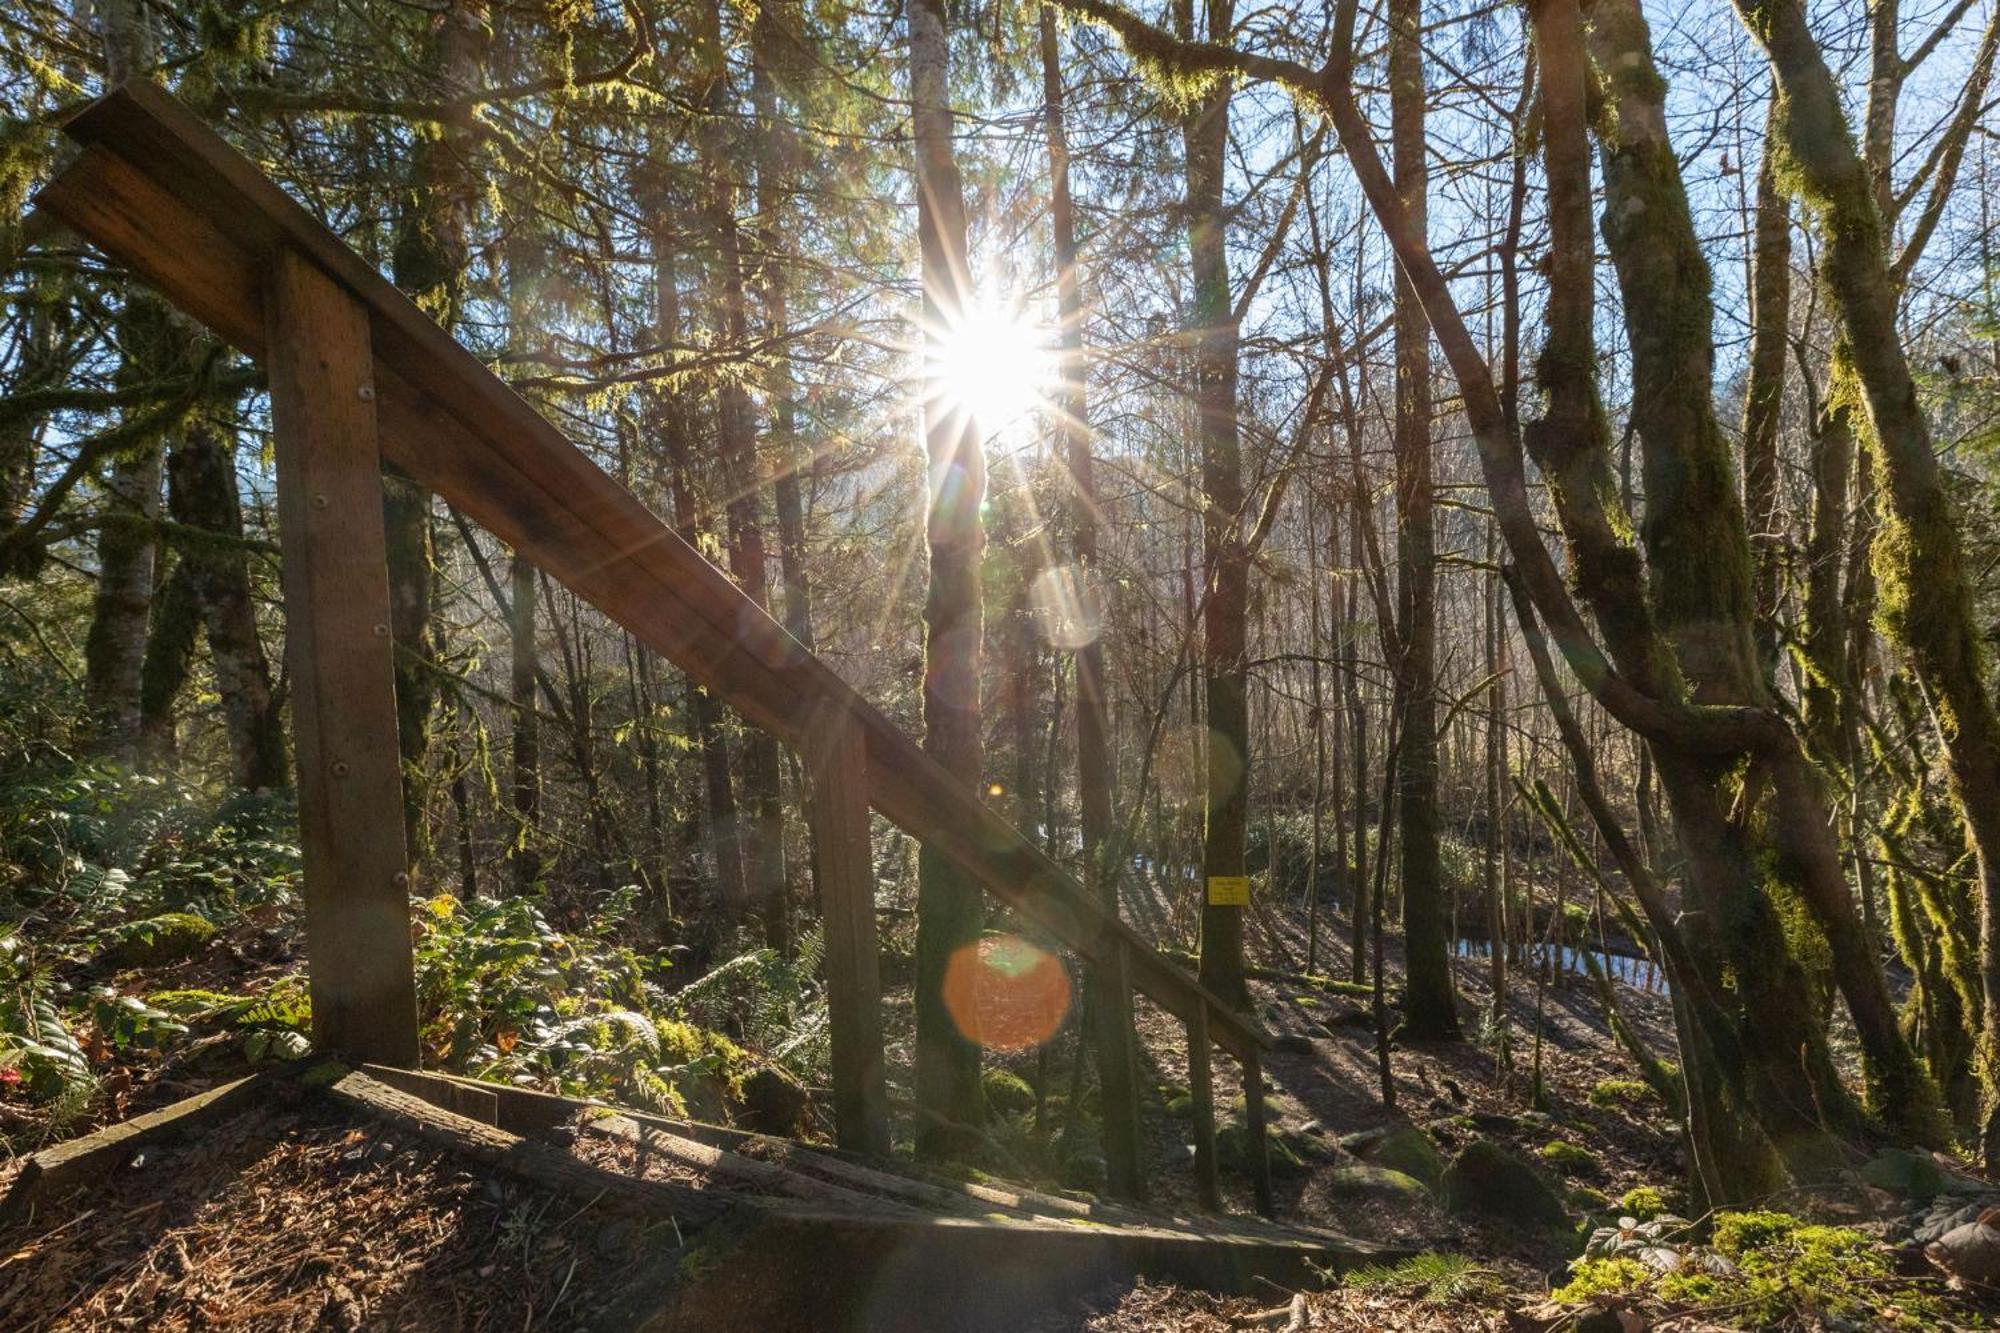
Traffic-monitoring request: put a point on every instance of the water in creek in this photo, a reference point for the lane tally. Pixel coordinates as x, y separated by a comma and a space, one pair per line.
1638, 973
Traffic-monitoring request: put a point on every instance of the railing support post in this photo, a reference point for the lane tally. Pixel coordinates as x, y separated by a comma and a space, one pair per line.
836, 756
1109, 988
338, 653
1201, 1096
1253, 1112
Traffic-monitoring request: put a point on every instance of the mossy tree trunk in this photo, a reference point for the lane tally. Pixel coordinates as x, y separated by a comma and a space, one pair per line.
429, 256
950, 909
1926, 602
114, 649
764, 860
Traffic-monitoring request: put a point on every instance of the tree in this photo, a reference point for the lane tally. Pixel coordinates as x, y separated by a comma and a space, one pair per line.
1211, 323
950, 909
1430, 1003
1109, 991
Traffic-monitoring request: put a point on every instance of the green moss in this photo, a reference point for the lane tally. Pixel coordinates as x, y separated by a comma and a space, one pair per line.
1780, 1271
1620, 1092
169, 938
1590, 1278
1568, 1158
1587, 1199
1643, 1202
1007, 1093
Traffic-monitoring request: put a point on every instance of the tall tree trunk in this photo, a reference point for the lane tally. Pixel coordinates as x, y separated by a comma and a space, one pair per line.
950, 909
765, 858
1225, 558
429, 256
128, 542
1361, 900
704, 712
1764, 399
38, 367
1496, 885
524, 662
1107, 989
1926, 604
202, 496
1430, 1003
776, 166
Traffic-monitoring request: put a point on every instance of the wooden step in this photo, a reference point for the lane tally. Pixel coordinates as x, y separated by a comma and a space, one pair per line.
818, 1239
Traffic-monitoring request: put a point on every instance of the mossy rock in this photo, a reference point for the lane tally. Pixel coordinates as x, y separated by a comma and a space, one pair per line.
1568, 1158
1915, 1175
1007, 1093
1585, 1198
1403, 1148
1644, 1202
1612, 1092
1181, 1107
1487, 1180
773, 1103
1362, 1178
169, 938
1084, 1169
1287, 1153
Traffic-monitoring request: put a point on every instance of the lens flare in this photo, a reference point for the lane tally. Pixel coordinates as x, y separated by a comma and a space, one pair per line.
1066, 607
1006, 994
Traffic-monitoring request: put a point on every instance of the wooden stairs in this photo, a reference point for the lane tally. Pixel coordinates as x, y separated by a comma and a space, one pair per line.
775, 1234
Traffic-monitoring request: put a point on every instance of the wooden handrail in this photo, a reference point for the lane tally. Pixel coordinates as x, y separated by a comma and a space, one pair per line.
161, 192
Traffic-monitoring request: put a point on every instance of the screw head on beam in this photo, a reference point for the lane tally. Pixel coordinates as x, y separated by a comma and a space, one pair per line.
341, 768
367, 393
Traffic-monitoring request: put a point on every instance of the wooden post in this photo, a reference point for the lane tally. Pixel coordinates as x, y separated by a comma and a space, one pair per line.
1253, 1112
338, 653
844, 867
1201, 1094
1110, 1001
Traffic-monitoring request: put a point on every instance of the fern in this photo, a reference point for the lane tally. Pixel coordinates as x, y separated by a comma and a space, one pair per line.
1432, 1277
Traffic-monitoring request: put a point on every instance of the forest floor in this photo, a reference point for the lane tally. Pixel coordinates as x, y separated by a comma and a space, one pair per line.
289, 1218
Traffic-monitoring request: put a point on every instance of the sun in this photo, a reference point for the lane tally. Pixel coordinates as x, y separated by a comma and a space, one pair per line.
994, 363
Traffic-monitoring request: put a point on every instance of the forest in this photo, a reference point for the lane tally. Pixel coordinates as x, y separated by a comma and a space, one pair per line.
1463, 536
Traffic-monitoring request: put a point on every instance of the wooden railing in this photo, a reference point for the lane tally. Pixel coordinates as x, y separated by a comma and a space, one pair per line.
358, 376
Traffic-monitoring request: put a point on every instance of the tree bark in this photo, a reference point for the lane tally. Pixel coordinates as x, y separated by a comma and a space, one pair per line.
1225, 561
430, 252
1430, 1002
764, 861
1107, 989
1919, 560
950, 909
704, 712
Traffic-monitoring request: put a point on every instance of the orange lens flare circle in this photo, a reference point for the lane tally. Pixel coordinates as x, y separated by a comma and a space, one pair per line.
1005, 993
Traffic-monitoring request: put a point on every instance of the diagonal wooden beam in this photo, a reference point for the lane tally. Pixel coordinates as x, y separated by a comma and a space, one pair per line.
162, 193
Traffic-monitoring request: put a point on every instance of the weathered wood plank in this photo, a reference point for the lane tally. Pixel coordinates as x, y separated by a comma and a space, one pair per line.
844, 869
459, 1096
93, 1156
537, 1163
337, 648
753, 1174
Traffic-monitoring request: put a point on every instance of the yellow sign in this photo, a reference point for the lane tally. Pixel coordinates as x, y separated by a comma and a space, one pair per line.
1228, 890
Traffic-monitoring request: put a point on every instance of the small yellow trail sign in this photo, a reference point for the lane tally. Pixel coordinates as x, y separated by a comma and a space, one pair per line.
1228, 890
